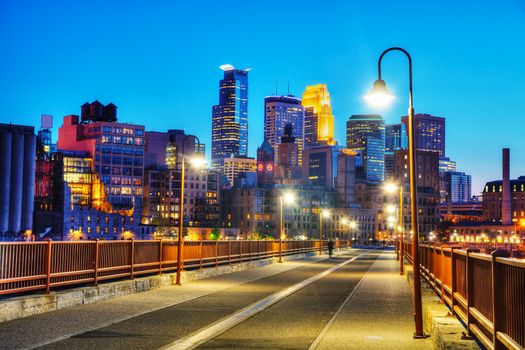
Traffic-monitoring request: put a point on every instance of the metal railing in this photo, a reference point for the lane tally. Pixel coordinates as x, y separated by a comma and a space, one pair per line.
33, 266
486, 291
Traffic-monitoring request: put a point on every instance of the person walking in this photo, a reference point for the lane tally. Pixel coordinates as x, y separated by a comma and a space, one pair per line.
330, 248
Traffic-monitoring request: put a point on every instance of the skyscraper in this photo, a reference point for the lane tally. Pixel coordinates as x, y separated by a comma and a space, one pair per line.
230, 117
395, 139
365, 135
458, 187
429, 132
278, 112
318, 117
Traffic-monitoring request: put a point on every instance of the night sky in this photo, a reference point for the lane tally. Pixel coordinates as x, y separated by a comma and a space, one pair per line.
158, 61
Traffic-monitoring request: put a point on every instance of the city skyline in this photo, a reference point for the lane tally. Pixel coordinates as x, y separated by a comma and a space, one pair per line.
145, 86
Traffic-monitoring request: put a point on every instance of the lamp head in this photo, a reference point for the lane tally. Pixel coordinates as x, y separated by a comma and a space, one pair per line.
379, 96
390, 187
325, 214
288, 197
198, 161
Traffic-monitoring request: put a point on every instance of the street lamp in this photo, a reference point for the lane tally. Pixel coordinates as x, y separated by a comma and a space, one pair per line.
197, 162
322, 214
380, 96
391, 187
286, 198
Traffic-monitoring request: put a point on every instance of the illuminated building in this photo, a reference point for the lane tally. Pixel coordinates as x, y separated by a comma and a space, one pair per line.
236, 165
280, 111
322, 165
318, 117
265, 164
429, 132
427, 173
17, 180
458, 186
395, 139
445, 164
71, 203
230, 117
165, 148
365, 135
117, 150
288, 170
44, 140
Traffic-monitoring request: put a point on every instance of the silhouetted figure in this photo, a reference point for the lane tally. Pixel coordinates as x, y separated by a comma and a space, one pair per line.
330, 248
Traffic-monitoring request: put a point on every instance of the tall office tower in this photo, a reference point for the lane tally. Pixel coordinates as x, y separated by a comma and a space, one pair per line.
235, 166
429, 132
265, 164
288, 170
230, 117
280, 111
17, 179
445, 166
365, 135
117, 150
161, 148
458, 187
395, 139
318, 117
345, 178
320, 165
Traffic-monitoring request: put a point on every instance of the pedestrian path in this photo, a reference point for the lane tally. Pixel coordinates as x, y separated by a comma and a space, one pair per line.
377, 315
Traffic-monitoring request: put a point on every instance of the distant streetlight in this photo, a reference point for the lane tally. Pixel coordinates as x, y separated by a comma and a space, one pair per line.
286, 198
198, 162
323, 213
380, 96
392, 188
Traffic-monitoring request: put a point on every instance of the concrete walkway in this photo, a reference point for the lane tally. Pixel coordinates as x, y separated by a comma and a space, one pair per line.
378, 315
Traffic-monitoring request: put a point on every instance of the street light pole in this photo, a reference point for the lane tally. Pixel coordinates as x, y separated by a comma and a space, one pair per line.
320, 232
380, 94
281, 230
402, 233
181, 209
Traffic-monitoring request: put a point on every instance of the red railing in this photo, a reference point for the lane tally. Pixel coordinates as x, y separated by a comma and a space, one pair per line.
31, 266
486, 291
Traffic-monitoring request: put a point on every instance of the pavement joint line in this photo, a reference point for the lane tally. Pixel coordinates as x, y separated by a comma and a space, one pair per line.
323, 332
204, 334
125, 318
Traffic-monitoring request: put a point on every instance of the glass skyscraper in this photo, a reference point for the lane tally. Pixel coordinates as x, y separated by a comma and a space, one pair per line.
278, 112
365, 135
230, 117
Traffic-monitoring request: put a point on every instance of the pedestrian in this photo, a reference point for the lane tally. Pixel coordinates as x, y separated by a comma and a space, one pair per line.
330, 247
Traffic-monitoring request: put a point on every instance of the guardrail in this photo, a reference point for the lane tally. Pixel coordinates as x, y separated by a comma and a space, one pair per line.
32, 266
486, 291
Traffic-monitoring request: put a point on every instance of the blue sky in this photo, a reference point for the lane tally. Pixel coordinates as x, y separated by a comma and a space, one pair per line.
158, 61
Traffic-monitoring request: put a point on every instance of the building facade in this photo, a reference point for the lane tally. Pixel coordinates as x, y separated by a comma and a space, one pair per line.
365, 135
280, 111
429, 132
117, 150
318, 117
230, 117
288, 169
458, 187
234, 166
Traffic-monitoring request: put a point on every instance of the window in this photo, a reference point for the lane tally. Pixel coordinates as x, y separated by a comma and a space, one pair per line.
106, 139
126, 171
107, 129
117, 139
117, 160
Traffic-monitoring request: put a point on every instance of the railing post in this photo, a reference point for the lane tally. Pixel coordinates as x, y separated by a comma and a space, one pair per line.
132, 258
160, 256
453, 281
216, 252
468, 287
240, 250
97, 252
48, 264
200, 250
497, 315
250, 250
229, 252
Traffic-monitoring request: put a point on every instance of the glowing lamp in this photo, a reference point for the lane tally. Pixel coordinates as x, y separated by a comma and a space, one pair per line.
379, 96
288, 197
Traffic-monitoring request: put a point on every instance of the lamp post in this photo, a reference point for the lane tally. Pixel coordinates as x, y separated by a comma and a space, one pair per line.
288, 198
326, 215
197, 162
381, 96
392, 188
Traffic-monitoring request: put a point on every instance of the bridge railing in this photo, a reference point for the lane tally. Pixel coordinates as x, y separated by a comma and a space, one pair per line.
486, 291
32, 266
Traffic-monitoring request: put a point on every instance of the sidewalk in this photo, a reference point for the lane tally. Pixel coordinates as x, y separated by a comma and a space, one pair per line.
379, 314
52, 326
